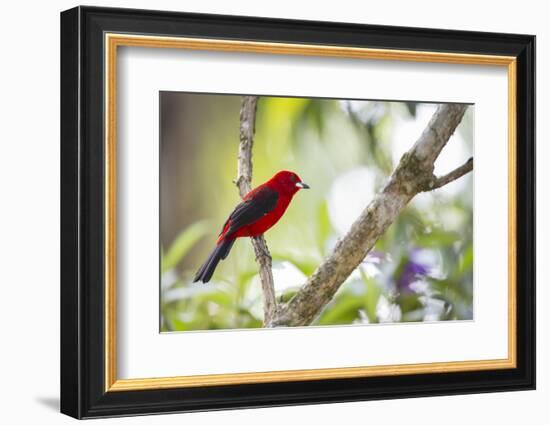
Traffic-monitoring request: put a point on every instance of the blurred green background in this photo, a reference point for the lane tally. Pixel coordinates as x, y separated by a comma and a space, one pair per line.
420, 270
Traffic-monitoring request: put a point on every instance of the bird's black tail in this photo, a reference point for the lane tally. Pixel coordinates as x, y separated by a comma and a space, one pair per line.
219, 253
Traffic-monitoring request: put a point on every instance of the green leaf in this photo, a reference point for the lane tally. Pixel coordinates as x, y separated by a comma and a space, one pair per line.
372, 296
343, 310
221, 298
411, 109
437, 238
183, 244
409, 302
324, 228
466, 262
306, 265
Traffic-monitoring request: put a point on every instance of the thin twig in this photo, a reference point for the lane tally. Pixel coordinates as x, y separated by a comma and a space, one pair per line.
249, 106
453, 175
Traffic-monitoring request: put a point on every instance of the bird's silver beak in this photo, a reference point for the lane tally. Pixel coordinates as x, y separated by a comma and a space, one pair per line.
302, 185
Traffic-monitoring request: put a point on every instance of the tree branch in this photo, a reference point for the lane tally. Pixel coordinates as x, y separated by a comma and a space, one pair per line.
244, 179
413, 174
453, 175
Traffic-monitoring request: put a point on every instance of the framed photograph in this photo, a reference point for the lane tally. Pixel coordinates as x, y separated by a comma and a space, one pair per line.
261, 212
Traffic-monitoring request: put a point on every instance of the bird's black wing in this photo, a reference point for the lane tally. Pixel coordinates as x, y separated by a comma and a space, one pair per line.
255, 205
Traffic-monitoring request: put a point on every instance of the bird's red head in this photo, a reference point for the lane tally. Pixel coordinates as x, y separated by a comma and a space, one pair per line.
287, 182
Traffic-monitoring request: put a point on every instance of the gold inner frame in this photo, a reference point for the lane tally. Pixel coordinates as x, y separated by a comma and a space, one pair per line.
113, 41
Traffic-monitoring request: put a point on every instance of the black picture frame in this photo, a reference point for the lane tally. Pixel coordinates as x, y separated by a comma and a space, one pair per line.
83, 392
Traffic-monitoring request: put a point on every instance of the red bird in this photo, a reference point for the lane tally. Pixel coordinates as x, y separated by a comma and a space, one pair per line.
260, 209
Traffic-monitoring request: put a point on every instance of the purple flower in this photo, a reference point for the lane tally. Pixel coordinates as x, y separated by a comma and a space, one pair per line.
412, 272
